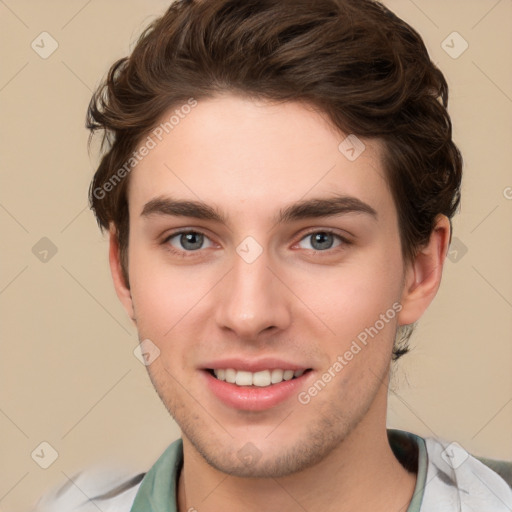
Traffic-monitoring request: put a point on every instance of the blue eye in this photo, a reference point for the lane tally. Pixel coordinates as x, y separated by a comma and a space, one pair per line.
322, 240
188, 241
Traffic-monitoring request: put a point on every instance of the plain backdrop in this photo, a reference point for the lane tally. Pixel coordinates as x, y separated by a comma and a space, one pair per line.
68, 373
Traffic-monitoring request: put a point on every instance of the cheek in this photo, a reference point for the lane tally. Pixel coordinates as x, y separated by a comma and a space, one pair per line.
165, 297
351, 297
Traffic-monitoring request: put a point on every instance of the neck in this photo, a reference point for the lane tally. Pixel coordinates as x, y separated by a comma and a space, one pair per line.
361, 473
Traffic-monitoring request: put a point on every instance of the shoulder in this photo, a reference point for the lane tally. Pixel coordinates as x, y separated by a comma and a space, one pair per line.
456, 478
110, 489
92, 490
501, 467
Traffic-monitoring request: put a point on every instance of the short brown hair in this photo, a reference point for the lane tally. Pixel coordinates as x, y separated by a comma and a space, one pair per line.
355, 60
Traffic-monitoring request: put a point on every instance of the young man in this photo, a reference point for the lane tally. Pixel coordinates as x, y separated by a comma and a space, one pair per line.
278, 186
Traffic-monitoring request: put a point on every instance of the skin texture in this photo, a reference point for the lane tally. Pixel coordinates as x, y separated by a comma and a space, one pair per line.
248, 160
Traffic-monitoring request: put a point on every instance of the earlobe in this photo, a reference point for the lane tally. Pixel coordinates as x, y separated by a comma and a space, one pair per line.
423, 275
121, 287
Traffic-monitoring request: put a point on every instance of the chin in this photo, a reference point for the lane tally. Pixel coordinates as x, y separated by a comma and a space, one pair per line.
266, 458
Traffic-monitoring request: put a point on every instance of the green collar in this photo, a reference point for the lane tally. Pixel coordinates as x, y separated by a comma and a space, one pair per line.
157, 491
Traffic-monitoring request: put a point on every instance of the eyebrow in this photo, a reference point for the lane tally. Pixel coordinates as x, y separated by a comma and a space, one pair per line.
305, 209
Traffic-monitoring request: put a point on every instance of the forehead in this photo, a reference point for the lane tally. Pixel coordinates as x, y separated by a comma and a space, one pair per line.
252, 156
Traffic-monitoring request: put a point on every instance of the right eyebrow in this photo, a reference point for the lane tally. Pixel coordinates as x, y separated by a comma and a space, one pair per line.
167, 206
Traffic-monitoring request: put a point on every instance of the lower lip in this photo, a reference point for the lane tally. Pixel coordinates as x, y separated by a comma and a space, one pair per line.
254, 398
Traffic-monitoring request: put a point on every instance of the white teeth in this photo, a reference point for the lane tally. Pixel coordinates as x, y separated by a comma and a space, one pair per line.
243, 379
262, 378
230, 375
277, 376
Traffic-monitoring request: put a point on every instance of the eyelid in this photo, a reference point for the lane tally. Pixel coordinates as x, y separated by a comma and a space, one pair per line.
344, 239
184, 230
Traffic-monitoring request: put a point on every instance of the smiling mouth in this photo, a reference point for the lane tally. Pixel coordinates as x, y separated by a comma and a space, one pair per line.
264, 378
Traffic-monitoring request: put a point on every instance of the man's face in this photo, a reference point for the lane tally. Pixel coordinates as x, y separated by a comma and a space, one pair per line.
260, 287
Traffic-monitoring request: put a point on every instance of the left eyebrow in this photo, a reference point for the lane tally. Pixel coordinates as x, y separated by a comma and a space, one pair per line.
313, 208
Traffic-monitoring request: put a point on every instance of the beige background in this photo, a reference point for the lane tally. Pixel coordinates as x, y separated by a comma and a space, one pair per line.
68, 373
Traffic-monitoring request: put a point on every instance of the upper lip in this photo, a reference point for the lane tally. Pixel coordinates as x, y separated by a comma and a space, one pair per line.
253, 365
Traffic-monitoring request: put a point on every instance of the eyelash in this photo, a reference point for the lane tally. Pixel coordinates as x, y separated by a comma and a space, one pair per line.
342, 239
187, 254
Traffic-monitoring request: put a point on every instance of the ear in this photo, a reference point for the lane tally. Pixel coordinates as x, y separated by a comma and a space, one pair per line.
423, 274
122, 290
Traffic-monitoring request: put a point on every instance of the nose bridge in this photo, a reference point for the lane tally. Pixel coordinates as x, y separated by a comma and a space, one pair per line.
251, 298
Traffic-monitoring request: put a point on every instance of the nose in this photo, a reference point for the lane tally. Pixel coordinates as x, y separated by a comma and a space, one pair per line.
252, 300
